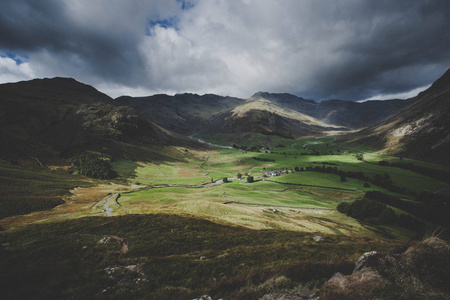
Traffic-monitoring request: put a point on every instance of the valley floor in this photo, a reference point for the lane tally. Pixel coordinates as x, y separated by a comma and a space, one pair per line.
199, 225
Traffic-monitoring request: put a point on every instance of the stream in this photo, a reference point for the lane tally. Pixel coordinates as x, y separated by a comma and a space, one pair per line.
107, 209
208, 143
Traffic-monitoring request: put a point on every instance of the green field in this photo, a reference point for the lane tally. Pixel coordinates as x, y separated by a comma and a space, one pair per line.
188, 233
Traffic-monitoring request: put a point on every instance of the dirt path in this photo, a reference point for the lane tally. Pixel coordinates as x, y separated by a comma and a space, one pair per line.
250, 172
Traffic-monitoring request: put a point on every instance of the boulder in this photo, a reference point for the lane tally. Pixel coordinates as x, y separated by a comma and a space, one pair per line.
204, 297
319, 239
303, 294
337, 276
362, 260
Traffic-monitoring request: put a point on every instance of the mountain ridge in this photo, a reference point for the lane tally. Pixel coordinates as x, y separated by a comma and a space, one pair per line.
55, 118
191, 113
421, 129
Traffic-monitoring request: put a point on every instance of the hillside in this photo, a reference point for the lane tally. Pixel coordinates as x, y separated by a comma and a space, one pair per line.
419, 130
182, 113
54, 118
282, 115
337, 112
55, 130
177, 221
262, 116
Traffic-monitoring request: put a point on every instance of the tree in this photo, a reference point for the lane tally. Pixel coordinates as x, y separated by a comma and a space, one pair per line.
225, 180
343, 207
91, 165
250, 179
239, 175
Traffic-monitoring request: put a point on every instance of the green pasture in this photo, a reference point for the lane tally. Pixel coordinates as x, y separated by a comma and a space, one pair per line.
185, 185
312, 179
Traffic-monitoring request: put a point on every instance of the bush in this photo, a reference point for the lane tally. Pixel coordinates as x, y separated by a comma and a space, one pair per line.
250, 179
343, 207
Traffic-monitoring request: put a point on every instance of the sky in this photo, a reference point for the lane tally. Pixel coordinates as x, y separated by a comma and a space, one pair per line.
316, 49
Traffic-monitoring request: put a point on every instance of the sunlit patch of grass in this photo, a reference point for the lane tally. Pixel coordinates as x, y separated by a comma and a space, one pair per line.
313, 179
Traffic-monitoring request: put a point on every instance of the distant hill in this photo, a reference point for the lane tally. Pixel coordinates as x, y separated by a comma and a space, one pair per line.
263, 116
60, 116
350, 114
55, 118
183, 113
285, 115
421, 129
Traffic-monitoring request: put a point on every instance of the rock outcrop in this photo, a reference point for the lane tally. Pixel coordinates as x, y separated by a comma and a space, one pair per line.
421, 272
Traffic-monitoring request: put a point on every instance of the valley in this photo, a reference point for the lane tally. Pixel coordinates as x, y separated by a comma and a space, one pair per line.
191, 233
250, 196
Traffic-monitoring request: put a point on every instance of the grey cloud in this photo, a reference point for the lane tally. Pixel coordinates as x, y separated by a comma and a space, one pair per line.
399, 46
48, 26
317, 49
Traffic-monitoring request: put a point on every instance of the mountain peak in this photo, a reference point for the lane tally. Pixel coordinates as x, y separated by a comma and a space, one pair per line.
260, 94
442, 83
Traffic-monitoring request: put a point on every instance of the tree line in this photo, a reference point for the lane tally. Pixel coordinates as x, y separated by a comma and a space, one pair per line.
91, 165
378, 213
433, 173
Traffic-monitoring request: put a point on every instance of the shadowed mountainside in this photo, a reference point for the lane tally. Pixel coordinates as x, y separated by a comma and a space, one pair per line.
182, 113
285, 115
337, 112
264, 116
54, 118
420, 130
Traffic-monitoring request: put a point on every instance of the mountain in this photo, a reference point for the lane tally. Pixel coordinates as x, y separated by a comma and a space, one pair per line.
55, 118
263, 116
183, 113
421, 129
337, 112
285, 115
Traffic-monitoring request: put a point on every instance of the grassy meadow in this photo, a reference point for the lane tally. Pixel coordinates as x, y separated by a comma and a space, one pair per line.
176, 230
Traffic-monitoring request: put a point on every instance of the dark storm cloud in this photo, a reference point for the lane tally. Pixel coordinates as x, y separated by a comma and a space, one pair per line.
353, 49
32, 26
400, 45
